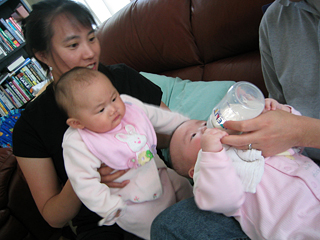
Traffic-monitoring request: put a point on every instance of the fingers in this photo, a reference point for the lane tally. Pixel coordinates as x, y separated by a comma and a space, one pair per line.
108, 178
271, 104
275, 105
105, 170
112, 176
268, 103
239, 141
242, 126
248, 129
211, 140
118, 185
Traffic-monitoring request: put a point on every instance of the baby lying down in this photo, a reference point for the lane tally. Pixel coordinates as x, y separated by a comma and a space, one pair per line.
277, 198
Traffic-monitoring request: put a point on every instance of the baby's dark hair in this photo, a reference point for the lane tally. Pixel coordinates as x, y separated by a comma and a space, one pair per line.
175, 161
177, 166
66, 89
37, 27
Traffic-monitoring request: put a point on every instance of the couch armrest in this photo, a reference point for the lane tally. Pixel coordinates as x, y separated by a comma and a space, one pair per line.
19, 216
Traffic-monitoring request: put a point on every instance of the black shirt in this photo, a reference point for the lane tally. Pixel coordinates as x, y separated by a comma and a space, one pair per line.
39, 131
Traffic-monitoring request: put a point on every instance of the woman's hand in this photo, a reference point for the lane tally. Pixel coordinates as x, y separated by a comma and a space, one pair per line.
107, 177
272, 132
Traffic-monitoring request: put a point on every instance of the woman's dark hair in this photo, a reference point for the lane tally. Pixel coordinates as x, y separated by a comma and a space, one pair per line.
37, 27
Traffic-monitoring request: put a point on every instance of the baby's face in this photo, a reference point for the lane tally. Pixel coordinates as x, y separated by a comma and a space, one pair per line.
102, 109
186, 141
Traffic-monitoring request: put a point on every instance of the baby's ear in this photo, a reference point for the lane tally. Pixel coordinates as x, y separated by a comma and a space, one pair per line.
74, 123
191, 172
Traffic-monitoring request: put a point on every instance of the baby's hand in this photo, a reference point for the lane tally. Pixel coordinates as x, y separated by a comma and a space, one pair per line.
211, 140
272, 104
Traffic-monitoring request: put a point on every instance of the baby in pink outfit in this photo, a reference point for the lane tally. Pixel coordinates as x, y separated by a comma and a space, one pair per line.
118, 131
286, 199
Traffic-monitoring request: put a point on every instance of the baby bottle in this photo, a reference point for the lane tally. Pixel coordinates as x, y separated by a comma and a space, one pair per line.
242, 101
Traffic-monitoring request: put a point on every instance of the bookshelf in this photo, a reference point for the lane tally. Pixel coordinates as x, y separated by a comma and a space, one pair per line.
7, 7
18, 73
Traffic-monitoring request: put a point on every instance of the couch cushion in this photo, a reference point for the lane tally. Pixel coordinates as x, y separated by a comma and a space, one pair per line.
8, 165
226, 28
153, 36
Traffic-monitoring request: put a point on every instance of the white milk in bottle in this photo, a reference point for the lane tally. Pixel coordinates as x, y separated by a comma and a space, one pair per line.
243, 101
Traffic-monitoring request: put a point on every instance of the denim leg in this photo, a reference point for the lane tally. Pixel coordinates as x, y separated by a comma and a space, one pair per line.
184, 220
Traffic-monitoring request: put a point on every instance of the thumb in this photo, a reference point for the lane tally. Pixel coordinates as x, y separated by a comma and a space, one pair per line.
241, 126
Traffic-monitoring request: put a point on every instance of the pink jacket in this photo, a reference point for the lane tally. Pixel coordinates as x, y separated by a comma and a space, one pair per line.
286, 204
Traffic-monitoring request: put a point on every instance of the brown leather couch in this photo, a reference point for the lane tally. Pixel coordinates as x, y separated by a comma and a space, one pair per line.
191, 39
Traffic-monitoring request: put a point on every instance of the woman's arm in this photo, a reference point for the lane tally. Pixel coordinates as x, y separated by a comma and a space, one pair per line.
164, 106
163, 121
56, 204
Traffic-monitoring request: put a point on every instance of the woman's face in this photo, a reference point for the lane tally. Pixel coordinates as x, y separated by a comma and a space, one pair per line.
72, 45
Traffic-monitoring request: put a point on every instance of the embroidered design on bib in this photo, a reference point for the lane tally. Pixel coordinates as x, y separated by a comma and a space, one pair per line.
134, 140
138, 144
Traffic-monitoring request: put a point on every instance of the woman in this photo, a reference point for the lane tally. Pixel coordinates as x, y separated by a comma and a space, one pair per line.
60, 35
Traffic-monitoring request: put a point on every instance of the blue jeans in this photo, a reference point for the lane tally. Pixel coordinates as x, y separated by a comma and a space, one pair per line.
184, 220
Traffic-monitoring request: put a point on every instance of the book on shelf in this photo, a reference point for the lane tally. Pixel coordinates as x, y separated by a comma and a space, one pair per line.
16, 82
12, 38
11, 98
2, 112
6, 101
12, 31
16, 63
6, 43
3, 77
17, 92
4, 108
27, 5
2, 53
15, 24
7, 39
25, 81
35, 73
30, 75
19, 102
23, 9
38, 68
20, 13
28, 82
20, 81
